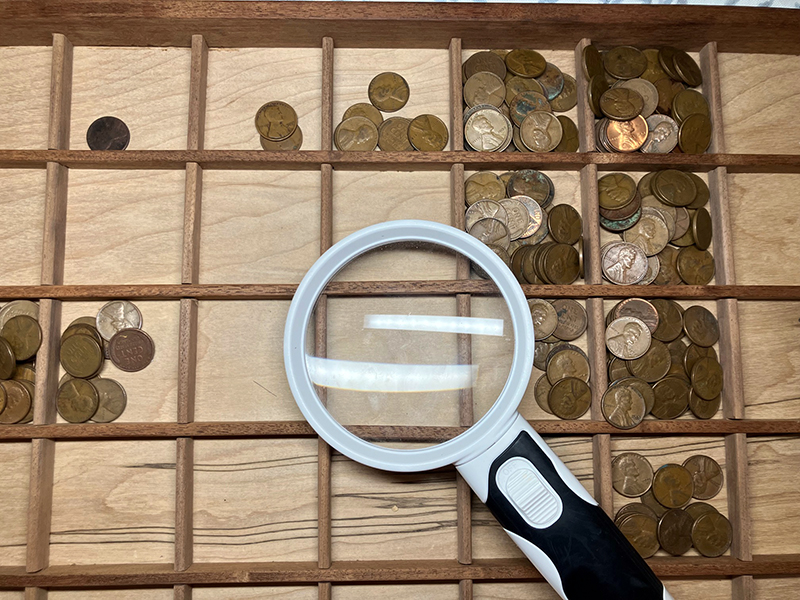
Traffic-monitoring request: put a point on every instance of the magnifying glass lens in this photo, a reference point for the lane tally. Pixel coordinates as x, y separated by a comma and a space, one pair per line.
408, 365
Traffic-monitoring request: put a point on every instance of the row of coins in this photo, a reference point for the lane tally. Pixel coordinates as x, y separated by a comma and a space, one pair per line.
665, 229
652, 370
642, 100
278, 127
364, 129
20, 339
664, 518
510, 98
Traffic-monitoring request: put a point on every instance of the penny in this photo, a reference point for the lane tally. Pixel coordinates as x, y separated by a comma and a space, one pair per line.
706, 475
570, 398
525, 63
694, 135
535, 215
702, 228
516, 85
677, 352
687, 103
16, 308
77, 401
701, 326
485, 61
24, 372
649, 500
668, 270
540, 131
639, 308
572, 319
696, 509
595, 90
561, 264
485, 209
293, 142
687, 69
631, 474
111, 400
615, 190
357, 134
517, 218
667, 89
675, 531
484, 88
567, 363
276, 121
662, 136
7, 360
627, 136
364, 109
673, 486
540, 352
687, 239
670, 320
82, 356
703, 193
624, 213
625, 62
683, 222
108, 133
653, 364
646, 90
640, 385
131, 350
707, 378
428, 133
592, 61
545, 319
712, 534
501, 253
534, 184
541, 391
565, 224
117, 315
483, 185
643, 186
624, 264
388, 92
552, 81
634, 508
623, 407
617, 370
703, 409
567, 98
491, 231
666, 58
695, 266
674, 188
627, 338
653, 72
672, 397
695, 353
652, 271
81, 329
641, 531
621, 104
18, 402
3, 400
650, 233
24, 335
569, 137
487, 130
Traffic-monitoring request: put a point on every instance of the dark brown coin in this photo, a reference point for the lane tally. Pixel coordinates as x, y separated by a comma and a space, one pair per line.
653, 364
81, 356
32, 393
639, 308
703, 409
485, 61
24, 335
525, 63
108, 133
112, 400
293, 142
667, 90
693, 354
81, 329
668, 267
631, 474
632, 209
592, 62
695, 266
617, 370
703, 193
649, 500
641, 386
569, 136
642, 532
696, 509
670, 320
694, 135
597, 87
706, 474
131, 349
615, 191
673, 486
541, 392
702, 228
567, 362
570, 398
572, 319
625, 62
677, 352
565, 224
18, 402
621, 104
687, 69
701, 327
25, 372
388, 92
561, 264
623, 406
672, 397
712, 534
636, 508
675, 531
674, 188
666, 58
7, 360
77, 401
707, 378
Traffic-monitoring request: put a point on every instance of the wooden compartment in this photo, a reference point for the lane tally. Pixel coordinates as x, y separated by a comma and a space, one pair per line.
211, 485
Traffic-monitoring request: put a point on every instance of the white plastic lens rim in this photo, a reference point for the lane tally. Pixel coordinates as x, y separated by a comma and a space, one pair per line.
464, 446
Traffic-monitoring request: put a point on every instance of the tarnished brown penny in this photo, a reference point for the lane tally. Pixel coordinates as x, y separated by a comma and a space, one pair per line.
703, 193
654, 71
696, 509
640, 385
639, 308
668, 267
674, 188
649, 500
694, 353
567, 363
592, 62
695, 266
533, 184
541, 392
82, 356
388, 92
276, 121
525, 63
672, 397
673, 486
24, 372
18, 402
364, 109
687, 69
108, 133
666, 58
545, 319
570, 398
561, 264
491, 231
293, 142
24, 335
621, 104
677, 352
641, 531
357, 134
707, 378
131, 349
7, 361
617, 370
565, 224
706, 475
428, 133
552, 81
683, 221
687, 103
615, 190
393, 135
634, 508
625, 62
540, 353
570, 142
484, 88
670, 320
702, 228
486, 61
572, 319
567, 98
675, 531
650, 233
620, 214
627, 338
595, 90
653, 364
77, 401
712, 534
667, 90
112, 400
623, 407
694, 135
483, 185
540, 131
704, 409
484, 209
701, 327
649, 95
627, 136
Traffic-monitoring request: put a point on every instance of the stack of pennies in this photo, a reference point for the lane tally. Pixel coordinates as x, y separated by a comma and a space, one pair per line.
644, 102
652, 370
563, 390
665, 229
513, 214
278, 128
115, 333
664, 518
364, 129
20, 339
510, 97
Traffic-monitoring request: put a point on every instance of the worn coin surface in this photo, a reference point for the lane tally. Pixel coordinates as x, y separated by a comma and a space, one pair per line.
706, 474
483, 185
24, 335
516, 85
687, 69
634, 508
18, 402
641, 531
357, 134
516, 218
672, 397
649, 500
552, 81
673, 486
276, 121
535, 218
388, 92
561, 264
653, 364
112, 400
712, 534
695, 266
540, 131
108, 133
677, 352
704, 409
532, 183
707, 379
650, 232
567, 98
703, 193
598, 85
117, 315
570, 398
567, 363
570, 141
670, 319
525, 63
627, 136
653, 72
701, 327
82, 356
541, 391
491, 231
24, 372
592, 62
565, 224
364, 109
18, 307
428, 133
544, 316
675, 531
631, 474
3, 399
293, 142
702, 228
131, 349
662, 136
640, 385
627, 338
485, 209
694, 135
621, 104
625, 62
667, 267
7, 360
615, 190
572, 319
666, 58
687, 103
639, 308
525, 103
77, 401
484, 88
623, 407
624, 264
487, 130
393, 135
667, 90
674, 188
486, 61
695, 509
646, 90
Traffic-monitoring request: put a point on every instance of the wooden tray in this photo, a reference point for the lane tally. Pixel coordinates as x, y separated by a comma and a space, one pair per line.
211, 485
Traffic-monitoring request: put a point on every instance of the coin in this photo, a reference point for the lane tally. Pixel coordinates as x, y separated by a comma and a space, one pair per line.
491, 231
670, 320
552, 81
650, 233
623, 214
641, 531
483, 185
649, 500
592, 61
525, 63
7, 360
81, 329
532, 183
662, 136
707, 378
276, 121
701, 327
631, 474
131, 349
545, 319
702, 228
77, 401
653, 364
515, 216
624, 264
695, 266
487, 130
646, 90
674, 188
572, 319
18, 307
623, 407
516, 85
111, 400
24, 372
625, 62
627, 338
668, 270
706, 474
595, 90
675, 531
501, 253
639, 308
540, 131
687, 69
484, 209
565, 224
357, 134
485, 61
703, 409
653, 72
18, 402
388, 92
667, 89
81, 356
712, 534
293, 142
364, 109
569, 398
672, 397
703, 193
117, 315
673, 486
694, 135
567, 363
484, 88
687, 103
428, 133
677, 352
567, 98
3, 400
695, 509
615, 190
621, 104
640, 385
634, 508
540, 353
561, 264
541, 391
108, 133
569, 137
666, 58
695, 353
627, 136
24, 335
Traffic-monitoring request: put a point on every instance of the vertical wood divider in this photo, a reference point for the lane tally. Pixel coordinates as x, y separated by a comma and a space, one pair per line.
456, 104
585, 114
35, 594
182, 592
40, 495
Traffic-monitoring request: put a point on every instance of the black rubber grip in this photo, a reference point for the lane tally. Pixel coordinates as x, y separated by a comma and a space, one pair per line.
593, 558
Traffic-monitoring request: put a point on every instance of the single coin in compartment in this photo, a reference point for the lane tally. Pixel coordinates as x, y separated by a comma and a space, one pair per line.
108, 133
388, 92
276, 121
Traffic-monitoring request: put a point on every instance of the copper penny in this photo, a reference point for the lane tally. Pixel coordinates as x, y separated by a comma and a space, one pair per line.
672, 397
623, 407
627, 136
706, 474
77, 401
673, 486
707, 378
701, 326
704, 409
639, 308
712, 534
634, 508
570, 398
653, 364
670, 320
108, 133
18, 402
641, 531
131, 349
649, 500
695, 266
675, 531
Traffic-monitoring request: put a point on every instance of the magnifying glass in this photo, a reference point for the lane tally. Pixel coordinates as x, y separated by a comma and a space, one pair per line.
410, 361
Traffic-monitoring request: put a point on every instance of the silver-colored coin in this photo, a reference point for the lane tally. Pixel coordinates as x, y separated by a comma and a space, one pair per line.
624, 263
650, 232
535, 215
485, 209
668, 213
474, 109
662, 136
116, 316
15, 308
488, 131
518, 219
627, 338
646, 90
491, 231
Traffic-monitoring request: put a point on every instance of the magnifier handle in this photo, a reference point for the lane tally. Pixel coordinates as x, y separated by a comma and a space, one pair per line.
556, 523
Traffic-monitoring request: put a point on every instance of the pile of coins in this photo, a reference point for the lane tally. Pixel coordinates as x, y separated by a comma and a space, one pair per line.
115, 333
664, 518
278, 128
510, 98
650, 367
644, 102
108, 133
563, 390
665, 228
20, 338
363, 128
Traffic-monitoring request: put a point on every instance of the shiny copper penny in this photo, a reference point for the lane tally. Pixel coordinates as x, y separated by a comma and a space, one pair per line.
131, 349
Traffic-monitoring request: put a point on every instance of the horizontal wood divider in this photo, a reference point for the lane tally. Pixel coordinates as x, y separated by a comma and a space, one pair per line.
389, 433
367, 571
378, 161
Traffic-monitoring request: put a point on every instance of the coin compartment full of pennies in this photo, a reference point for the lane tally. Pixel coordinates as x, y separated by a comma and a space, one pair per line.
197, 166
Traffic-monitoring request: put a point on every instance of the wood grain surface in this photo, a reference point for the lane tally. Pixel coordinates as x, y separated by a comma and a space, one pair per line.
22, 203
25, 81
14, 476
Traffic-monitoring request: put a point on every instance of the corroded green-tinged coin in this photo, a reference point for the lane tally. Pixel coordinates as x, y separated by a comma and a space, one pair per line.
525, 63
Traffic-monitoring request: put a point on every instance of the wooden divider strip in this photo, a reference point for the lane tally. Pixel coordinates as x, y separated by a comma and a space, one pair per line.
198, 79
35, 593
456, 106
182, 592
184, 504
326, 137
585, 114
60, 93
